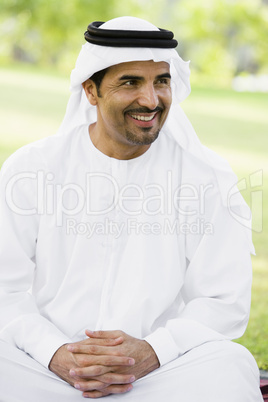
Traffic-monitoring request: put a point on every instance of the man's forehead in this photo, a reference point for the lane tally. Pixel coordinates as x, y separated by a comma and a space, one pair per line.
154, 67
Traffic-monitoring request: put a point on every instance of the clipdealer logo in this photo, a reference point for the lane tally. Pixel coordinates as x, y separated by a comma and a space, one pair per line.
251, 218
64, 200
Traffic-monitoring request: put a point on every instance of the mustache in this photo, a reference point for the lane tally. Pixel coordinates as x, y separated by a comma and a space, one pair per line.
145, 110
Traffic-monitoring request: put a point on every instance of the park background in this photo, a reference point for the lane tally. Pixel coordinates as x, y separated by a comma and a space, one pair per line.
227, 43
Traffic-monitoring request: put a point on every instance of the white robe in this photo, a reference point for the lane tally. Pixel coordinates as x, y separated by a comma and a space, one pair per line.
142, 245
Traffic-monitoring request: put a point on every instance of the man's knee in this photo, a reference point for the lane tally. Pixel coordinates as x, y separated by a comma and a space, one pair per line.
33, 381
237, 356
236, 373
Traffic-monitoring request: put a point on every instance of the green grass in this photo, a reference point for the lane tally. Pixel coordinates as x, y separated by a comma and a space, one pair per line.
32, 105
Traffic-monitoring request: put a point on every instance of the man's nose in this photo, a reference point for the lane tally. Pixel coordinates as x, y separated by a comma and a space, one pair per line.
148, 97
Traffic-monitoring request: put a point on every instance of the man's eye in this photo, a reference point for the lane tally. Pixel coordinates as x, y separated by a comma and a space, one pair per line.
130, 82
164, 81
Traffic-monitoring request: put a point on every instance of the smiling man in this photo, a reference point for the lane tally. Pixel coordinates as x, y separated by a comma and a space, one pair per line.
145, 307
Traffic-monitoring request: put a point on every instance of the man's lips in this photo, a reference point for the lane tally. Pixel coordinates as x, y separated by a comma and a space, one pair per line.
143, 119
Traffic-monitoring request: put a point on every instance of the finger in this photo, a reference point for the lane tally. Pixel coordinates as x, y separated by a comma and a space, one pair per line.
91, 371
93, 349
86, 360
114, 378
103, 341
112, 389
90, 385
97, 342
104, 381
104, 334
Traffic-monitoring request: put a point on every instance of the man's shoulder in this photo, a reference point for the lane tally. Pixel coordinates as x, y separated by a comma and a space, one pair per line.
41, 154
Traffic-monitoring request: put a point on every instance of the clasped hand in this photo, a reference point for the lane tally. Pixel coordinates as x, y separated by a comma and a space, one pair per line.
105, 363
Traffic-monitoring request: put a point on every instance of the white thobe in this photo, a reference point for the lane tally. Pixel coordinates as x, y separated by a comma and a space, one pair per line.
142, 245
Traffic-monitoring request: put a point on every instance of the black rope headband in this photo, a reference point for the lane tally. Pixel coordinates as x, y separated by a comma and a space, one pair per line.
124, 38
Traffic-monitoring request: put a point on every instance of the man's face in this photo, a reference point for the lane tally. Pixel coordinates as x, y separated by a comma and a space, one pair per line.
134, 104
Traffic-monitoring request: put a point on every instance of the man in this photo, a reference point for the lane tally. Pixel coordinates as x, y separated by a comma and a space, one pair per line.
124, 224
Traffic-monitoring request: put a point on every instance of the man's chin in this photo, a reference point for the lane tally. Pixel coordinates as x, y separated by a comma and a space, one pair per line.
146, 139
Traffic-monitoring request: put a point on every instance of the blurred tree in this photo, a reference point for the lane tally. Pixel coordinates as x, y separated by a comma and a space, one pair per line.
223, 37
49, 31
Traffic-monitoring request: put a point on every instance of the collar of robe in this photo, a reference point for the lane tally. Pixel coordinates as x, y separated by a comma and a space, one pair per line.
124, 38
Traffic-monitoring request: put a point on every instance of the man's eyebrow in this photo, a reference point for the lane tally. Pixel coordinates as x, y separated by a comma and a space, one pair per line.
130, 77
137, 77
165, 75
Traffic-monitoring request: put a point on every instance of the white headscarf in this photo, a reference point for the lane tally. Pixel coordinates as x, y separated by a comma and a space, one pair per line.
79, 112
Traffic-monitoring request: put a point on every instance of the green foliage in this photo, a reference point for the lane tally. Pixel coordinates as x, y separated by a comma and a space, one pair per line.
49, 31
223, 37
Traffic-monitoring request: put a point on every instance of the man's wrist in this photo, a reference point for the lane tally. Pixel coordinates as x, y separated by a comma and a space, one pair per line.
163, 345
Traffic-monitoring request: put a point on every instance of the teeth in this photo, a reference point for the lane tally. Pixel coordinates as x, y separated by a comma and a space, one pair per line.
143, 118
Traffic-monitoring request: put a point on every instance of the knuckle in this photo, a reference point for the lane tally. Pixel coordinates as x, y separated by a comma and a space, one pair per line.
82, 361
119, 389
116, 353
90, 386
122, 390
83, 387
78, 372
94, 394
93, 349
101, 386
90, 360
124, 379
107, 361
97, 370
108, 378
120, 333
76, 359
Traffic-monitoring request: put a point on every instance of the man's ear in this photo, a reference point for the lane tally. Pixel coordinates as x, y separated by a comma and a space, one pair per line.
91, 92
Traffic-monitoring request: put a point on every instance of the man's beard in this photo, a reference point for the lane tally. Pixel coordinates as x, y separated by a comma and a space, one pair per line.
147, 139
